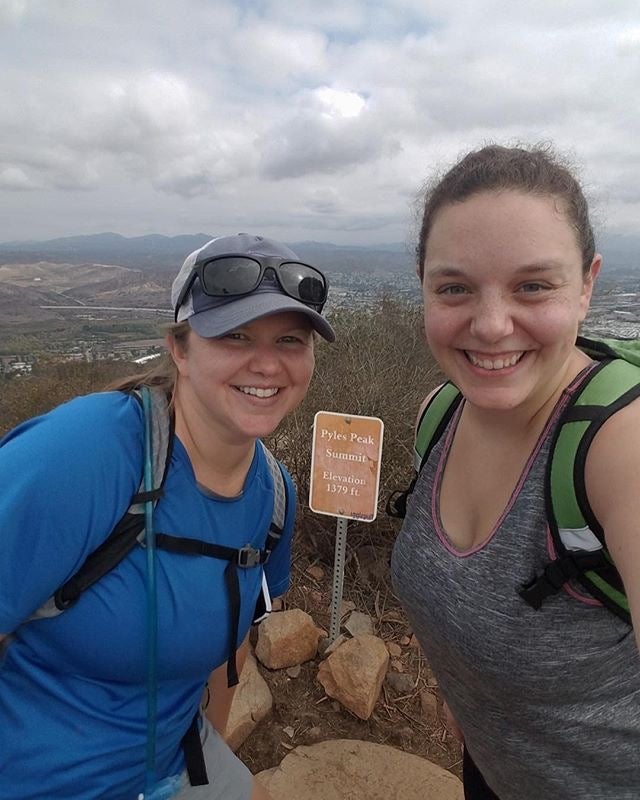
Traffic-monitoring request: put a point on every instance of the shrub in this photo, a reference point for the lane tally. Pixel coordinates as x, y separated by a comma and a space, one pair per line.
52, 383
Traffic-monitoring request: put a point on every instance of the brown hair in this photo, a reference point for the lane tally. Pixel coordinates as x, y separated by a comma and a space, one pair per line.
536, 170
163, 373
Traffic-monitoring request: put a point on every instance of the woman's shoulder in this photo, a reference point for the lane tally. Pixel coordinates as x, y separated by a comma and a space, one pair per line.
85, 424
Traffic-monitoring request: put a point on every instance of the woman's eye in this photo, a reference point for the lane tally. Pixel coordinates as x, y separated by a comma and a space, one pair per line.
292, 339
454, 289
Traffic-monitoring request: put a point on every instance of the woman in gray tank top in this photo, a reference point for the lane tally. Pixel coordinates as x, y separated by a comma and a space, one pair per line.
547, 702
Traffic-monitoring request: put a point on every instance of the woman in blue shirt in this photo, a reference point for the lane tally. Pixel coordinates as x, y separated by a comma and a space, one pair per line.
74, 687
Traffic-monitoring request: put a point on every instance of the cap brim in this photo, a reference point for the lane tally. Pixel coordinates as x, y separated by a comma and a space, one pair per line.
242, 310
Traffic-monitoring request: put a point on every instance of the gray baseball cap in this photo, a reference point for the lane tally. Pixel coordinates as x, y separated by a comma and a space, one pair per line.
215, 316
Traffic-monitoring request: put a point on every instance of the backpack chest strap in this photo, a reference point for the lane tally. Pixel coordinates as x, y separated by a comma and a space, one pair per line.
238, 558
570, 566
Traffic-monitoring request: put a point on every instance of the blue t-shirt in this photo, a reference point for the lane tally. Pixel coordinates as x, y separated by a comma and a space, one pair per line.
73, 688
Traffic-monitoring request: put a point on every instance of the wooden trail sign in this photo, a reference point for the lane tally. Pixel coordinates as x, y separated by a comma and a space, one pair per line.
345, 465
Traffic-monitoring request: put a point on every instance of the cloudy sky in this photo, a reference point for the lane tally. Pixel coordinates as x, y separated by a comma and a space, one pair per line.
301, 119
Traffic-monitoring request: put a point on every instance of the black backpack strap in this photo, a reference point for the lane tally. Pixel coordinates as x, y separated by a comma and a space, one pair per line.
130, 527
432, 423
193, 756
111, 552
238, 558
570, 566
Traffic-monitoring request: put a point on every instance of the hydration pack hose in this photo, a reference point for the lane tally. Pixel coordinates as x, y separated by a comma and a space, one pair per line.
168, 787
152, 602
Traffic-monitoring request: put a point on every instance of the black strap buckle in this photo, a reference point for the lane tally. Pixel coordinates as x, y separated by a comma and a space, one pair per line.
249, 557
568, 567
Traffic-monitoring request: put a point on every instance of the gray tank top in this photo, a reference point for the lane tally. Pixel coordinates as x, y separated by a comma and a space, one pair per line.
549, 700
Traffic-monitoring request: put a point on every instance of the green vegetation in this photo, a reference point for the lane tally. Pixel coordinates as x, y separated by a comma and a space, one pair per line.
43, 338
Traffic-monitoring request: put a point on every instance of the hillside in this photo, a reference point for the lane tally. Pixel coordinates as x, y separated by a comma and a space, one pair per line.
26, 289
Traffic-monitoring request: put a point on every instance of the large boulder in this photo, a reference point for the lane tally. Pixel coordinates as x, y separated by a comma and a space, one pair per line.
345, 769
252, 702
286, 639
353, 674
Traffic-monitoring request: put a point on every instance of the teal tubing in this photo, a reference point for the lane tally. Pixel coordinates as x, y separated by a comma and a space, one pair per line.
152, 602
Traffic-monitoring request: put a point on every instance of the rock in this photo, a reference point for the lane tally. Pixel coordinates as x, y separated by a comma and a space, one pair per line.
395, 651
326, 646
353, 673
346, 608
289, 731
429, 705
316, 572
346, 768
405, 640
359, 623
286, 639
397, 665
277, 604
402, 684
293, 672
252, 702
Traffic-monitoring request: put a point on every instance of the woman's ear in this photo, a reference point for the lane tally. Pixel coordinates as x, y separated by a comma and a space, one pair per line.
177, 350
588, 283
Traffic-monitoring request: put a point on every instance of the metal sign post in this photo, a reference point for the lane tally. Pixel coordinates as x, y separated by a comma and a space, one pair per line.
345, 477
338, 577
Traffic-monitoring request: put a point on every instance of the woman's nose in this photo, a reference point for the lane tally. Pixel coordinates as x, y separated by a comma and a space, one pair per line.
265, 360
492, 319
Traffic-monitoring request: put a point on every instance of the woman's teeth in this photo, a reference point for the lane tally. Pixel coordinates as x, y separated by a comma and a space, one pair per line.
257, 392
494, 363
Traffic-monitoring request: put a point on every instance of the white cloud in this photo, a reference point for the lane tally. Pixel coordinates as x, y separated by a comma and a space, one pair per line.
305, 118
14, 179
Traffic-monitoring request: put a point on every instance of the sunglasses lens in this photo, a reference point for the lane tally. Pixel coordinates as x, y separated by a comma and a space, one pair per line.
303, 282
231, 275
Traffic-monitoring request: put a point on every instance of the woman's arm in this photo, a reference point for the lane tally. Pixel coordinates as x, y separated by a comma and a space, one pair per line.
612, 477
221, 695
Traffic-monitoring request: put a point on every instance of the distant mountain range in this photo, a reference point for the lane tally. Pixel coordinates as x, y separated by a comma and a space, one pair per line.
166, 253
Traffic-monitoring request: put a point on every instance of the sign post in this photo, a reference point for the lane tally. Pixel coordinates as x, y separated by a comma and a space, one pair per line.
345, 476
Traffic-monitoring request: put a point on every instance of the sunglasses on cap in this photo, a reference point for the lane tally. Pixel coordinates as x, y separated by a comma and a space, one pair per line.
235, 276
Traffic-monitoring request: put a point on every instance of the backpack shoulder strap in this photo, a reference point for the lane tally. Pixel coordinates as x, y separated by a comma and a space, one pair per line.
433, 421
280, 499
577, 535
162, 430
611, 386
130, 528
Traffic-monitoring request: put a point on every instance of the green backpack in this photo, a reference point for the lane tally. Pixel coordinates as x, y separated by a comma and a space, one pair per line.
578, 538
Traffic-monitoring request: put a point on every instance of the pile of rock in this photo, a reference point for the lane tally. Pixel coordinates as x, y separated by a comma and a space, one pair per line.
352, 672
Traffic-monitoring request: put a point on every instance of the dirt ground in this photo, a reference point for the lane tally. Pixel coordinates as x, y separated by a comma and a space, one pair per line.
408, 716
